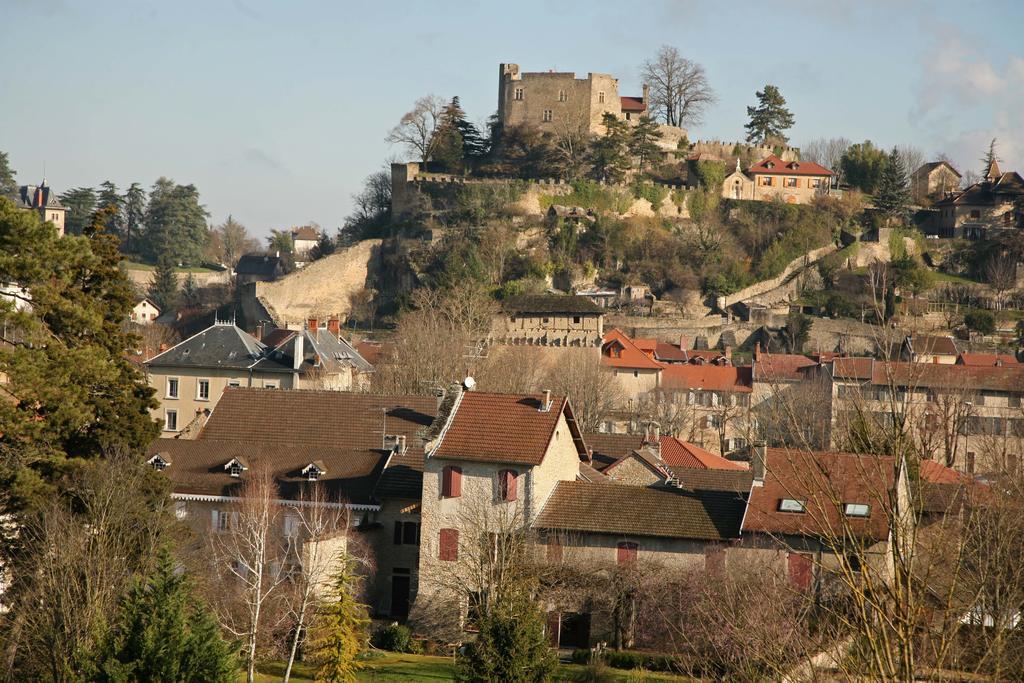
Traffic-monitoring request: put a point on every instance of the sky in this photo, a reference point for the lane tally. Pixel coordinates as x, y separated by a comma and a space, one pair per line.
277, 111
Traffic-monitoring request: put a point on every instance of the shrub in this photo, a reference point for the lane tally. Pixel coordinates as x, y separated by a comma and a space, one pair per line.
395, 638
651, 661
655, 194
980, 321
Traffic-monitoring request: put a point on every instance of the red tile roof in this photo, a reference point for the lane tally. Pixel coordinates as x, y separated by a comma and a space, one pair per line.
506, 428
631, 355
773, 165
986, 359
632, 104
769, 367
677, 453
375, 351
824, 482
707, 377
852, 368
937, 473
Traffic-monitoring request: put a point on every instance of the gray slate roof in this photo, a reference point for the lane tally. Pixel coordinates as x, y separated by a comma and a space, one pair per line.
552, 304
218, 346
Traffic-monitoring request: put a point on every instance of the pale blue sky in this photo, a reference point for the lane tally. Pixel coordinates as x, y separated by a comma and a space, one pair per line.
278, 110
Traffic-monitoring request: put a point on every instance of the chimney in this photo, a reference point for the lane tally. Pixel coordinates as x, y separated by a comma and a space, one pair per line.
757, 350
299, 350
546, 403
652, 439
313, 324
37, 200
682, 342
759, 462
728, 352
258, 332
400, 444
334, 325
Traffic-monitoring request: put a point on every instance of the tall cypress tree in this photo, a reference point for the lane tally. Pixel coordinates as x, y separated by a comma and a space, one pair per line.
770, 119
339, 629
893, 196
134, 215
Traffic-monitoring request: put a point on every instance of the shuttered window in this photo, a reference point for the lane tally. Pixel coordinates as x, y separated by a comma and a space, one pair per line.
451, 481
507, 487
448, 545
626, 553
801, 570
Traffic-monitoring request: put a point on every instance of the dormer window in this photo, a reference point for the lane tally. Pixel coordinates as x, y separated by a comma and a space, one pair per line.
159, 463
235, 467
769, 164
313, 471
856, 509
792, 505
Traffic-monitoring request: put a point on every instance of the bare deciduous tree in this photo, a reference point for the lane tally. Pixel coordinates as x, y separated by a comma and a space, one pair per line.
827, 152
679, 89
592, 389
417, 126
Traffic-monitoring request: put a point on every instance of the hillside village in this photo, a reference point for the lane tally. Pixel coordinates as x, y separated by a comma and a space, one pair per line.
732, 410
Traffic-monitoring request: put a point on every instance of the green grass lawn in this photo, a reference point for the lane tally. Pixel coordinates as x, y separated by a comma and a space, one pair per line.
949, 277
136, 265
427, 669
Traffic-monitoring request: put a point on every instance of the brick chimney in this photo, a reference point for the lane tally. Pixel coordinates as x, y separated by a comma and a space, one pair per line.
313, 324
334, 325
757, 350
683, 342
652, 437
546, 404
759, 462
727, 353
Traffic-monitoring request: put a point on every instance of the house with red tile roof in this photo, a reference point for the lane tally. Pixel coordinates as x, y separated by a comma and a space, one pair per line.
635, 369
794, 182
994, 360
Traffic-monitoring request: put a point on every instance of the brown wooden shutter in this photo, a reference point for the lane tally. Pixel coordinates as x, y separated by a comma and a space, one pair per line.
448, 545
507, 481
554, 549
801, 570
451, 481
626, 553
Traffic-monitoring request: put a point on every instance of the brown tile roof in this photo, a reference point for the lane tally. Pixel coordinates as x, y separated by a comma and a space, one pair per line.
707, 377
773, 165
632, 103
306, 232
677, 453
630, 354
852, 368
197, 467
552, 303
986, 359
671, 353
825, 482
507, 428
780, 367
942, 376
737, 481
607, 448
931, 344
622, 510
375, 351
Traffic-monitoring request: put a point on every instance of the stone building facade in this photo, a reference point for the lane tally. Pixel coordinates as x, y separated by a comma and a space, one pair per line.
934, 180
548, 320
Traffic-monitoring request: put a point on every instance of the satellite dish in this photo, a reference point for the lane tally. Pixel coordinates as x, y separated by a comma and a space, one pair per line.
469, 383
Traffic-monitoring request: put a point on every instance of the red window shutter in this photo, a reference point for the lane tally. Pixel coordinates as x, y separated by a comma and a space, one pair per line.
507, 481
626, 553
448, 546
554, 549
451, 481
801, 570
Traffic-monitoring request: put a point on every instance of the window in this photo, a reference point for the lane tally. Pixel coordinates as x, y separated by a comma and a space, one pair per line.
507, 480
600, 97
203, 390
790, 182
576, 319
407, 533
234, 383
448, 545
291, 526
856, 509
625, 552
546, 320
269, 385
519, 94
792, 505
235, 468
561, 96
815, 182
181, 509
172, 387
158, 463
547, 115
636, 373
801, 570
451, 481
766, 181
222, 521
975, 214
171, 420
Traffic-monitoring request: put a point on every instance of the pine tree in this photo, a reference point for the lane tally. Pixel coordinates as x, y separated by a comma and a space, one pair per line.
8, 185
770, 118
175, 224
610, 160
71, 390
893, 197
643, 142
108, 198
339, 629
474, 146
510, 646
134, 214
163, 634
190, 291
81, 203
163, 287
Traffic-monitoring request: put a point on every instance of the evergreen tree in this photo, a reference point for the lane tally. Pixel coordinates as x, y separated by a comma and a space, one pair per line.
70, 389
643, 142
80, 203
474, 146
510, 646
893, 196
280, 240
610, 159
339, 629
163, 286
109, 198
134, 214
862, 165
325, 246
163, 634
175, 224
190, 291
989, 158
770, 119
8, 185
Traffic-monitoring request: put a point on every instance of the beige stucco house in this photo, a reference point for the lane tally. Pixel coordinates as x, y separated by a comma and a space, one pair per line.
794, 182
933, 180
990, 204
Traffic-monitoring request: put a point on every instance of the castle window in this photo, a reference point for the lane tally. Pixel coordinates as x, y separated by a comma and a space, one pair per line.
561, 96
600, 97
519, 94
547, 115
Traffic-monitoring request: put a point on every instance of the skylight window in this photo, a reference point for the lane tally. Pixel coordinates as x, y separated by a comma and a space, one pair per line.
792, 505
856, 509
